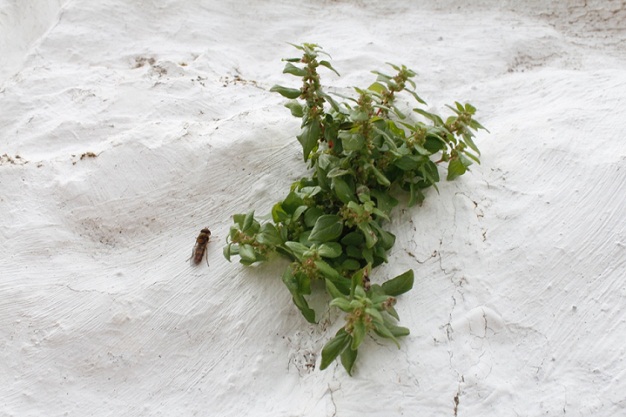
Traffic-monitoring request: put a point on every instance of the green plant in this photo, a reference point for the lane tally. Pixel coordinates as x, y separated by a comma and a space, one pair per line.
361, 153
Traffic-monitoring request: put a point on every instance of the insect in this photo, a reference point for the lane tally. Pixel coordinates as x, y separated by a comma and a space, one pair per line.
199, 250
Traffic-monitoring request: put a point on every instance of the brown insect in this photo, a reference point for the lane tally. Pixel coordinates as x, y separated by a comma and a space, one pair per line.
199, 250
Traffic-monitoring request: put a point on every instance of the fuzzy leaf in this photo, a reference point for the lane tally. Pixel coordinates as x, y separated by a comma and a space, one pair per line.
291, 93
348, 357
400, 284
334, 347
327, 65
309, 137
327, 228
293, 70
295, 108
329, 250
455, 169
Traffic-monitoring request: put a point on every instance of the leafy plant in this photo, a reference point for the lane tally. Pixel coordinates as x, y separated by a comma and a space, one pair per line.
362, 152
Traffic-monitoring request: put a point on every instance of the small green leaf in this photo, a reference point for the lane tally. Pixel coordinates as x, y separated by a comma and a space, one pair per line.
279, 215
269, 235
297, 248
227, 252
338, 172
398, 331
292, 202
380, 177
328, 271
291, 93
358, 334
342, 304
377, 88
400, 284
327, 228
334, 347
350, 264
327, 65
368, 234
455, 169
352, 141
248, 221
333, 290
384, 201
471, 144
383, 331
348, 357
292, 284
329, 250
469, 108
293, 70
311, 216
304, 308
309, 137
352, 239
246, 253
343, 191
295, 108
385, 238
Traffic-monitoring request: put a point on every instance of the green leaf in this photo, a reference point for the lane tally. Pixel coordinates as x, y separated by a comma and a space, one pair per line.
246, 253
334, 347
368, 234
398, 331
358, 334
400, 284
350, 264
311, 216
298, 213
469, 108
342, 304
471, 144
296, 108
293, 70
328, 271
352, 239
343, 191
415, 96
227, 252
279, 215
303, 306
384, 201
416, 196
327, 65
332, 290
291, 93
352, 141
269, 235
385, 238
455, 169
297, 248
380, 177
327, 228
377, 88
309, 137
383, 331
433, 117
329, 250
292, 284
248, 222
348, 357
408, 162
338, 172
292, 202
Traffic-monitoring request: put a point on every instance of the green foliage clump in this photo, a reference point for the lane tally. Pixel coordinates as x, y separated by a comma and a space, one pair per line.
361, 153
